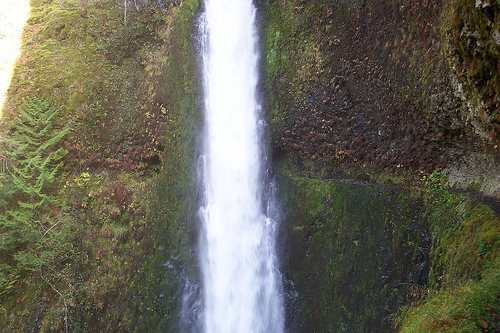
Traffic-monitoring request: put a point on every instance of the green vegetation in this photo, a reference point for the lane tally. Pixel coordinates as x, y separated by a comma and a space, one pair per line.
104, 248
471, 38
28, 189
34, 222
471, 307
356, 252
367, 258
35, 157
464, 293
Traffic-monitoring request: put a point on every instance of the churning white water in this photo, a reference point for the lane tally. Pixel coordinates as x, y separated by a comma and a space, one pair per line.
241, 282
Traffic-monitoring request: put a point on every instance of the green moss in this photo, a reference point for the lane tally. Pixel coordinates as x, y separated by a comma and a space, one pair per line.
121, 227
85, 59
473, 53
464, 276
471, 307
291, 58
360, 254
172, 200
460, 228
355, 251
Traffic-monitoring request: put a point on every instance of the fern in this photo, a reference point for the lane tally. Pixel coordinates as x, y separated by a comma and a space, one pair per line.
31, 159
35, 155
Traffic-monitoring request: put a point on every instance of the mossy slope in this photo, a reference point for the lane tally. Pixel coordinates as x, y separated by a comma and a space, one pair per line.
374, 258
355, 252
125, 84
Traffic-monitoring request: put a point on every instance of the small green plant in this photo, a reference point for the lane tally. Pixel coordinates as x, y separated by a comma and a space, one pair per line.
34, 159
483, 249
35, 154
83, 179
474, 186
436, 177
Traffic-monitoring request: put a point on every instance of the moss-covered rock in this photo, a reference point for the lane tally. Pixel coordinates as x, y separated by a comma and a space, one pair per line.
463, 294
372, 85
384, 92
355, 253
374, 258
125, 80
352, 84
471, 46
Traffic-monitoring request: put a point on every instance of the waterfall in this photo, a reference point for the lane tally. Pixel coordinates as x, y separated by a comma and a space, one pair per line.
240, 278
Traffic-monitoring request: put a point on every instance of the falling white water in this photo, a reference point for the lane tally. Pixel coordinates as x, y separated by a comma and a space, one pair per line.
241, 282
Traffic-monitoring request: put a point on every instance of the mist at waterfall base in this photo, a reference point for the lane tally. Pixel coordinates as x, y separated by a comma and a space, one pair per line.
242, 285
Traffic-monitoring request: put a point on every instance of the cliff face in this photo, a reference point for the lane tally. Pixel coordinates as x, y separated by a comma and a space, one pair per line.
353, 255
382, 85
112, 251
386, 92
471, 42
